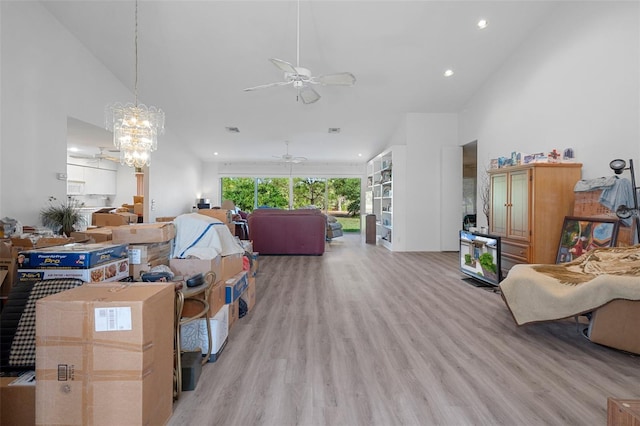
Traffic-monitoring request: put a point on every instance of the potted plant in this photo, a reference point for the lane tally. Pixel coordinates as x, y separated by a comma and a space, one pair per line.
62, 217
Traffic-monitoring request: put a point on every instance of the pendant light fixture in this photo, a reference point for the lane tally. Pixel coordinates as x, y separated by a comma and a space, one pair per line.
135, 126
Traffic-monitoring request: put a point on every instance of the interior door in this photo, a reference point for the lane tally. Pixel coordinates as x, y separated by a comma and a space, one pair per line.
499, 202
519, 205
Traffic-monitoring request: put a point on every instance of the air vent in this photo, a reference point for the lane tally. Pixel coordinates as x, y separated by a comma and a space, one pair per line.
232, 129
334, 129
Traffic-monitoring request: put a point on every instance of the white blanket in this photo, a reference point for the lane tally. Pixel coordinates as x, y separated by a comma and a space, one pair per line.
203, 237
550, 292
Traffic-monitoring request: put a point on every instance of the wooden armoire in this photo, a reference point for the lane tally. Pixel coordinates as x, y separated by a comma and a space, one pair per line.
528, 206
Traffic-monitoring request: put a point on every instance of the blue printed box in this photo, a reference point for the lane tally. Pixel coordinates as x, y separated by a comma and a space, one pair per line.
76, 256
235, 286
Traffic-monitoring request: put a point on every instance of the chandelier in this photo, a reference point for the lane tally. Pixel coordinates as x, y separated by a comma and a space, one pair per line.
135, 126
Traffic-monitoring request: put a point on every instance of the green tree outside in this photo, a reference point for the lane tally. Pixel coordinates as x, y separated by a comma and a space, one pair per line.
335, 194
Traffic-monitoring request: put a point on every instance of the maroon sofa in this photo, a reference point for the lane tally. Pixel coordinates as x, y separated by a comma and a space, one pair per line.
275, 231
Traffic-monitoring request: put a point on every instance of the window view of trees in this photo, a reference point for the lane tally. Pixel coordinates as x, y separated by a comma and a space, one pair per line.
337, 195
309, 192
272, 192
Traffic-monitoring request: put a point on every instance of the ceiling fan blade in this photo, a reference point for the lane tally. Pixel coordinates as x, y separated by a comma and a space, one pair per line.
338, 79
264, 86
308, 95
284, 65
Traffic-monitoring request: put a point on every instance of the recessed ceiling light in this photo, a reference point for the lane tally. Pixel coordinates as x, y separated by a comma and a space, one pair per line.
448, 73
232, 129
215, 153
360, 155
482, 24
73, 149
334, 129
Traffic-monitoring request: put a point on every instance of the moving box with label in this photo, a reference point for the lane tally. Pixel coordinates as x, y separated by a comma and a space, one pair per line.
104, 355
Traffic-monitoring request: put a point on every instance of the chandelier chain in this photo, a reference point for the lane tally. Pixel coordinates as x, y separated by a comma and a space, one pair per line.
135, 84
135, 126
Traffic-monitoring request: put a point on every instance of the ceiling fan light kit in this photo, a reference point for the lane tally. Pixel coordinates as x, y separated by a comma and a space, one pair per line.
301, 78
288, 158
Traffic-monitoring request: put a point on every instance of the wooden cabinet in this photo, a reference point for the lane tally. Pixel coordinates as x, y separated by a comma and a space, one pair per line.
528, 206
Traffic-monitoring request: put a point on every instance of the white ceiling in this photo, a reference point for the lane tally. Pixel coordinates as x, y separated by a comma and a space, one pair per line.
195, 57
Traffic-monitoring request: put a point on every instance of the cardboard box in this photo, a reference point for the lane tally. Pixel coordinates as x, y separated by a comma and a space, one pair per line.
104, 355
230, 266
253, 261
216, 301
165, 218
143, 257
144, 233
39, 242
188, 267
222, 215
72, 256
249, 295
136, 270
95, 235
17, 403
234, 312
616, 325
143, 253
194, 335
236, 286
9, 269
110, 271
113, 219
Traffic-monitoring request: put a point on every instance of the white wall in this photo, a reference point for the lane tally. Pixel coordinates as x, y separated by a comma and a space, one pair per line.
47, 76
573, 83
430, 183
429, 216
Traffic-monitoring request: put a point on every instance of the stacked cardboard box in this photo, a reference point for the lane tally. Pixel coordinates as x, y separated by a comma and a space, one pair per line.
104, 355
150, 244
17, 402
9, 249
144, 233
94, 235
106, 218
88, 262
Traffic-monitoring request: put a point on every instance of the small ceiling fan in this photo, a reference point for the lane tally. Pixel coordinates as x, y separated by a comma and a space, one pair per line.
288, 158
302, 79
100, 156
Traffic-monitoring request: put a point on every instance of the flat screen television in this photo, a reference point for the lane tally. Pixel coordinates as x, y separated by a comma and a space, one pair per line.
480, 257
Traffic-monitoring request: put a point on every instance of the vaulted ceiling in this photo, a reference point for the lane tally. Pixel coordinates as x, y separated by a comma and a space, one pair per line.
196, 57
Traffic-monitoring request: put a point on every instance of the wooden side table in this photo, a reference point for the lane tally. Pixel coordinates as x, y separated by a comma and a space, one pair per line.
623, 412
200, 296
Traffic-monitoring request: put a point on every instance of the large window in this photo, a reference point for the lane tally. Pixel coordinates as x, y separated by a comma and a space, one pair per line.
272, 192
340, 196
309, 192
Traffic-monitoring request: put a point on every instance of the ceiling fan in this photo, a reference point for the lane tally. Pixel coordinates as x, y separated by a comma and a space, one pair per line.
302, 79
100, 156
288, 158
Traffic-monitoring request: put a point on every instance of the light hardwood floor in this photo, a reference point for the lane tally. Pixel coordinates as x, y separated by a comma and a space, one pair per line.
365, 336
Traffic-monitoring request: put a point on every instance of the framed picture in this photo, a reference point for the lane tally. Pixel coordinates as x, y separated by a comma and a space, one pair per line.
581, 234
